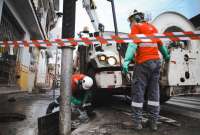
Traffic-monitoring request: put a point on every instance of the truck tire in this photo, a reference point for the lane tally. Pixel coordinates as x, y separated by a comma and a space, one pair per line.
164, 94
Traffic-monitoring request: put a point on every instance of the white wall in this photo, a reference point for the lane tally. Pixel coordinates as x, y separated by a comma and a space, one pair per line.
169, 19
42, 68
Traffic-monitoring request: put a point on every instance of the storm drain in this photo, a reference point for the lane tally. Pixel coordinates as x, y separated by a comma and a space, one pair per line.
11, 117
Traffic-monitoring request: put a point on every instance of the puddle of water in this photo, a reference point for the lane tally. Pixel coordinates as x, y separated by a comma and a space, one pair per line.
11, 117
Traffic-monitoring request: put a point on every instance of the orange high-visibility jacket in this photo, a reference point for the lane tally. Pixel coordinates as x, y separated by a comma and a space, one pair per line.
75, 79
147, 50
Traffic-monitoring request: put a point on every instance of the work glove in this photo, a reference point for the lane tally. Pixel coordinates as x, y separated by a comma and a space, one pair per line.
167, 58
125, 67
165, 53
129, 56
75, 101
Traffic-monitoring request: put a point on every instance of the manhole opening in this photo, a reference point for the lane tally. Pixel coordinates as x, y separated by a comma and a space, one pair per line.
11, 117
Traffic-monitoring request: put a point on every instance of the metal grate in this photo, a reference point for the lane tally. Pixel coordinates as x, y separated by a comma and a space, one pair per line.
9, 30
9, 27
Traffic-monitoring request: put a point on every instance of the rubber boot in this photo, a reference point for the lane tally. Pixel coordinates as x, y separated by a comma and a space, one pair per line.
137, 118
137, 125
153, 125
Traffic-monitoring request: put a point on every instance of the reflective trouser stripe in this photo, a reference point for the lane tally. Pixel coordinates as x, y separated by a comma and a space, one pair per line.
87, 104
153, 103
135, 104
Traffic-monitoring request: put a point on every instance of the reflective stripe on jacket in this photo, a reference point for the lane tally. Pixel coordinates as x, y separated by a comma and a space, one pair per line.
148, 50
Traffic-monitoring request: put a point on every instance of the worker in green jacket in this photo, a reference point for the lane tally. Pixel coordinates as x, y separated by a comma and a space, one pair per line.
81, 98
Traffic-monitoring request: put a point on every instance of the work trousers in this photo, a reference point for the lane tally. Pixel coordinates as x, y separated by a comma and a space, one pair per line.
146, 78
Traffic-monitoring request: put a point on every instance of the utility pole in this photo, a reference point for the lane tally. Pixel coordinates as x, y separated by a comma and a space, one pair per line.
68, 28
55, 78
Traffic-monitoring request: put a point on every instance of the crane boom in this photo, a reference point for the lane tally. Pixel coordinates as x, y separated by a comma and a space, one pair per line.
90, 8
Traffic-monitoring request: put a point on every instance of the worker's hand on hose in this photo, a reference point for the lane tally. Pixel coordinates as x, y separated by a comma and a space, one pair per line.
167, 58
83, 116
125, 68
165, 52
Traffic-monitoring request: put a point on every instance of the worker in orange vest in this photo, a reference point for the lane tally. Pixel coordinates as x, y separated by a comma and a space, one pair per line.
81, 96
146, 70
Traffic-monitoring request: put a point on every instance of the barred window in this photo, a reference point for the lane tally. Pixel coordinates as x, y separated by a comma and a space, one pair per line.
9, 27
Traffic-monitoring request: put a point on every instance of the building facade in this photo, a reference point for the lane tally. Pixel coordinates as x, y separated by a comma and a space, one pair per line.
25, 20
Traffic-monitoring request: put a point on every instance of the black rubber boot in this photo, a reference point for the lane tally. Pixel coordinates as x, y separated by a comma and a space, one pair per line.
137, 126
137, 118
153, 125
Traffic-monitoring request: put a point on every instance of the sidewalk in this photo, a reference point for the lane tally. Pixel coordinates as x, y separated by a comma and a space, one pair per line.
10, 90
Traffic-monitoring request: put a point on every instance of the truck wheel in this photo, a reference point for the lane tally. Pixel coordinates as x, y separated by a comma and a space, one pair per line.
164, 94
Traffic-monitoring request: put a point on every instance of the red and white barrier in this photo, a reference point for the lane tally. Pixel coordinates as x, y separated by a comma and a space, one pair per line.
137, 38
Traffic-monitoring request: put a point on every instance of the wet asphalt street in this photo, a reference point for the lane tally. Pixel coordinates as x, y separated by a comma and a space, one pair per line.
30, 105
110, 120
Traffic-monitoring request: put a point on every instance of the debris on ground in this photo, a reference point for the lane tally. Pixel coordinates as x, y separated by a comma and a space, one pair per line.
162, 119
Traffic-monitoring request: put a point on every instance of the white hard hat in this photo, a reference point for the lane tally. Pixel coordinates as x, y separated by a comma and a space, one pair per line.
136, 16
87, 82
